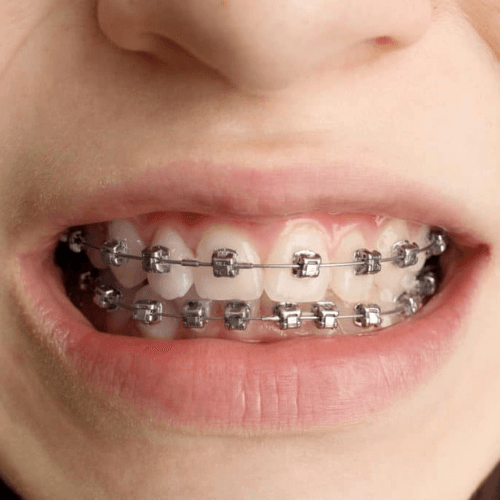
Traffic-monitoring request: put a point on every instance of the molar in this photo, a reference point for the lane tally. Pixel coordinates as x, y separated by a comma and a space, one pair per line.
130, 274
245, 286
177, 282
282, 285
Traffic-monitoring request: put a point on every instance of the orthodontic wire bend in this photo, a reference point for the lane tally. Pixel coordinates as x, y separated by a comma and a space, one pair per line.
306, 264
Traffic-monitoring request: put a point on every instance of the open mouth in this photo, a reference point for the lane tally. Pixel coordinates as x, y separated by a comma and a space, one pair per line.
312, 282
210, 319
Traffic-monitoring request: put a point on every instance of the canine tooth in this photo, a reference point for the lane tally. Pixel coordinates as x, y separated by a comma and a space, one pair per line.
131, 273
280, 284
247, 285
345, 284
391, 276
167, 327
177, 282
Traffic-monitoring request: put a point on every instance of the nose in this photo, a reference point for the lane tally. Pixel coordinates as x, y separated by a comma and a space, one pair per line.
262, 45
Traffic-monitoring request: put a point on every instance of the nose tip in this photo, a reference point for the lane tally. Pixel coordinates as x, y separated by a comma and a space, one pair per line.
259, 45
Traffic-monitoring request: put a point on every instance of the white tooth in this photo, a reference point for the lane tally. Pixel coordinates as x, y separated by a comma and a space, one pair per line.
421, 238
280, 284
130, 274
95, 236
391, 277
343, 282
246, 286
179, 279
167, 327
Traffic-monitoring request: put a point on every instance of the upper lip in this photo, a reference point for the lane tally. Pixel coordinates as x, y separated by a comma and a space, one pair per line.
259, 194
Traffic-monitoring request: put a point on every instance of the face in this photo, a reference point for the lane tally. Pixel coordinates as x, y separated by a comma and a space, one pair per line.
232, 132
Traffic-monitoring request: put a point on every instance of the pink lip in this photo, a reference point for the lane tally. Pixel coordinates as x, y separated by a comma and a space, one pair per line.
220, 384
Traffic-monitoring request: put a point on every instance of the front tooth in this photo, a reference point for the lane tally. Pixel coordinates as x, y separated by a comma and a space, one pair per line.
130, 274
167, 327
177, 282
282, 285
246, 286
344, 282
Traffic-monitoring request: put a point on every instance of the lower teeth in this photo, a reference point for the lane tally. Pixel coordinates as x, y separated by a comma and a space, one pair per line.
89, 288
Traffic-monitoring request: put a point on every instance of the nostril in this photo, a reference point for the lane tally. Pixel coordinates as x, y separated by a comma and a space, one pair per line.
385, 42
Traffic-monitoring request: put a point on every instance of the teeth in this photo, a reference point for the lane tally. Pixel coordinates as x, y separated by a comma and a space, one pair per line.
167, 327
280, 284
391, 280
177, 282
344, 283
246, 286
117, 318
130, 274
421, 238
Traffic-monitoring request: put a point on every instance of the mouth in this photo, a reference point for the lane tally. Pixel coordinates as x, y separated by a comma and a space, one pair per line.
211, 310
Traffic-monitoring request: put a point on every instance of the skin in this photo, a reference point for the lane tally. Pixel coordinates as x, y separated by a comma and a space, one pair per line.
94, 91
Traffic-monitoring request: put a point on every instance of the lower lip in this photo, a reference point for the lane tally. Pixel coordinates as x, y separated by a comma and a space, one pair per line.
220, 384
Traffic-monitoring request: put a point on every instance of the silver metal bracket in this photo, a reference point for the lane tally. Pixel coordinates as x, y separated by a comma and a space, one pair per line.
153, 260
111, 252
369, 315
369, 262
405, 253
107, 297
236, 315
309, 264
195, 314
224, 263
438, 243
426, 283
76, 241
87, 281
411, 302
289, 315
326, 315
148, 312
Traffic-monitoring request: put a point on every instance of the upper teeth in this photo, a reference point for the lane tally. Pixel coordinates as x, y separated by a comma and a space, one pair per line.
298, 268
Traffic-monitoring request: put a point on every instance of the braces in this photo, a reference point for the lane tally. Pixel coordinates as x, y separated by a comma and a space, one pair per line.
306, 264
237, 314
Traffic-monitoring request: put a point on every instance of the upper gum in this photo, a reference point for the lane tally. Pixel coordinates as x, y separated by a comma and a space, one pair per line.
264, 235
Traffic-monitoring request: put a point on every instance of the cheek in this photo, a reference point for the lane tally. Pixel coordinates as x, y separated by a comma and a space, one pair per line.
484, 15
